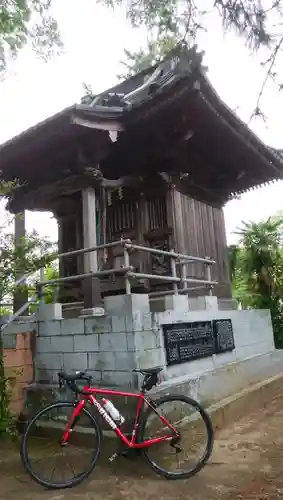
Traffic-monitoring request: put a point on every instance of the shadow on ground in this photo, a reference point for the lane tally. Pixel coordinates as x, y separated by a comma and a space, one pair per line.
246, 464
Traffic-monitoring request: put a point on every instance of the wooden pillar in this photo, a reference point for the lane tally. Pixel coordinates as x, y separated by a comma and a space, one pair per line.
60, 222
20, 294
91, 286
178, 223
222, 241
69, 239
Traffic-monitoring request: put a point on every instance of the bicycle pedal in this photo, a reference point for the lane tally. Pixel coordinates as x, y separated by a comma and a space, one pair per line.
113, 457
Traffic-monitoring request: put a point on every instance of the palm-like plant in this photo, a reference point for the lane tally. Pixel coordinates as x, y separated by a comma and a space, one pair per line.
257, 269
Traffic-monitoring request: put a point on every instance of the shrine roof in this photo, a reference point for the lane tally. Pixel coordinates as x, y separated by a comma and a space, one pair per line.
168, 114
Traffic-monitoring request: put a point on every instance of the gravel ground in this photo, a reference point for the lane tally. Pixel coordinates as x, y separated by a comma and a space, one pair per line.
246, 464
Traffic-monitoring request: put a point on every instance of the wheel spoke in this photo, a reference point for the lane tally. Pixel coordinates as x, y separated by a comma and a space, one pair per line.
193, 448
53, 470
41, 447
177, 460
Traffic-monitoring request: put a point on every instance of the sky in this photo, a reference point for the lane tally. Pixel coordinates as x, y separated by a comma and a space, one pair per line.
94, 41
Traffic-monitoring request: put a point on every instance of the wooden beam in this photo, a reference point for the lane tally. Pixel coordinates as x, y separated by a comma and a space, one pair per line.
178, 223
112, 126
96, 175
91, 286
43, 197
60, 222
89, 228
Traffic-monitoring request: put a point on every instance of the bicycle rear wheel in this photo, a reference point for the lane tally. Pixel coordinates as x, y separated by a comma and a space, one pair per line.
170, 459
41, 451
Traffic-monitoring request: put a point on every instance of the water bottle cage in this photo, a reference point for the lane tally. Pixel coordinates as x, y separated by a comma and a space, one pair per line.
62, 383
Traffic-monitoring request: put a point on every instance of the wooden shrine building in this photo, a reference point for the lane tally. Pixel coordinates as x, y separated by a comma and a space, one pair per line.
153, 159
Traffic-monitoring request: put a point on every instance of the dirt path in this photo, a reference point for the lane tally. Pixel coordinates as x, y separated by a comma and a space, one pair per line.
246, 464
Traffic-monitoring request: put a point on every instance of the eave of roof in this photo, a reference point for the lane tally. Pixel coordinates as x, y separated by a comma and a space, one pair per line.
59, 125
224, 111
193, 77
147, 91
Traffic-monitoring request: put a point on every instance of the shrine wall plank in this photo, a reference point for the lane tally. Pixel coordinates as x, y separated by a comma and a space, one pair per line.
199, 230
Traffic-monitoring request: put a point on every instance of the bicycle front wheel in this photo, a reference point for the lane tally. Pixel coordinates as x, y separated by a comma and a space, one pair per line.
185, 456
48, 462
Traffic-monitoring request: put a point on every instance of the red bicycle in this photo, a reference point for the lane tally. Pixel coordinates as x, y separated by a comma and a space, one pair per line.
43, 433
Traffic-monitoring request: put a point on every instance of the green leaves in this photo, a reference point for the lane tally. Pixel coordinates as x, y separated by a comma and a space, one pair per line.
248, 19
34, 253
88, 94
27, 21
257, 269
258, 23
143, 59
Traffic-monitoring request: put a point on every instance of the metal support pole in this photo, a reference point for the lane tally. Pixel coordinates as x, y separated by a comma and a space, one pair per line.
208, 275
183, 275
40, 289
160, 277
170, 254
174, 273
127, 265
19, 312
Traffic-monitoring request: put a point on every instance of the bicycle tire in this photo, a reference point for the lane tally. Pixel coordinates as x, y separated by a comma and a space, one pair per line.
209, 444
25, 455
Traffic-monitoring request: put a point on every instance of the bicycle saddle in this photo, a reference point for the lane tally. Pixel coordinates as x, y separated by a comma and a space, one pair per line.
149, 371
71, 377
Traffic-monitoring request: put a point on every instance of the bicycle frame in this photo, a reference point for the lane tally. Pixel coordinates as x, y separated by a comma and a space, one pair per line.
89, 396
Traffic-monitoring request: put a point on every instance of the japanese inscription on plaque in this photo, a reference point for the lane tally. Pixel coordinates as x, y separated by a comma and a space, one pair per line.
188, 341
224, 337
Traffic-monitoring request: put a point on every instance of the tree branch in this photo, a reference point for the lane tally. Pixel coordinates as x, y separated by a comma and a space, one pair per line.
271, 61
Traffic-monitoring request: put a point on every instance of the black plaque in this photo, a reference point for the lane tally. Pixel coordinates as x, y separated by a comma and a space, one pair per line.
224, 337
188, 341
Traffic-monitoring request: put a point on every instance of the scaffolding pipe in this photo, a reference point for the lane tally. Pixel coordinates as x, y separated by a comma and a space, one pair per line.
92, 249
19, 312
183, 291
174, 273
161, 293
208, 271
169, 279
187, 290
98, 274
127, 265
169, 254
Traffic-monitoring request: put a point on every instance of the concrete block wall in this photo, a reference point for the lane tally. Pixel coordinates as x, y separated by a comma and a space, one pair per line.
99, 345
130, 336
206, 379
252, 332
227, 304
108, 347
211, 378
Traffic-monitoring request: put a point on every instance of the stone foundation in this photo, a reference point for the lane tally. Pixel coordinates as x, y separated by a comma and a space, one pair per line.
130, 335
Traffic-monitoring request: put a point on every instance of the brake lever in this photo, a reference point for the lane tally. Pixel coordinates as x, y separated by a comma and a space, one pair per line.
87, 378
